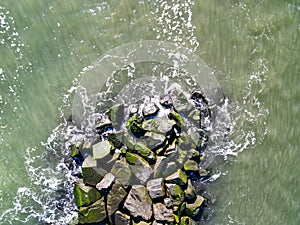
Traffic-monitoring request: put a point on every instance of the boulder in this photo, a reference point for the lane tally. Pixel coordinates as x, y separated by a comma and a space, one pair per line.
158, 165
166, 101
92, 175
85, 195
105, 184
162, 214
175, 192
139, 167
193, 209
121, 219
153, 140
180, 101
122, 172
139, 203
195, 116
93, 213
101, 150
178, 177
156, 188
116, 138
128, 142
150, 109
103, 125
159, 125
115, 197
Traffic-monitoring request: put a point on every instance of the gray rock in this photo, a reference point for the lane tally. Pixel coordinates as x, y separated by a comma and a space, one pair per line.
116, 115
121, 218
115, 197
178, 177
93, 213
105, 184
156, 188
153, 140
162, 214
175, 192
103, 125
139, 167
189, 192
101, 149
159, 125
139, 203
158, 166
122, 171
193, 209
145, 152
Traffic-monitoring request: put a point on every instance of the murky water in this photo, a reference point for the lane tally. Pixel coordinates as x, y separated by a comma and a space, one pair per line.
251, 46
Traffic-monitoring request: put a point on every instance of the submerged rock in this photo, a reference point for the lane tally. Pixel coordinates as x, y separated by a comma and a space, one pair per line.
116, 115
139, 203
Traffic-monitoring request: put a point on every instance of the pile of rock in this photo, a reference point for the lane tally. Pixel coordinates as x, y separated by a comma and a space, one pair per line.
140, 168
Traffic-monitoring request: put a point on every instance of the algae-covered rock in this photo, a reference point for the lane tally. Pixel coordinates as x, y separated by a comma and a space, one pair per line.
180, 123
128, 142
85, 195
115, 197
101, 150
139, 203
122, 218
115, 138
122, 172
156, 188
175, 192
93, 213
92, 175
116, 115
191, 165
178, 177
184, 142
145, 152
193, 209
162, 213
134, 124
195, 116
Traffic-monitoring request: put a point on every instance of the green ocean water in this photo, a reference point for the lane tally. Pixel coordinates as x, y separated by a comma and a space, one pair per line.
252, 47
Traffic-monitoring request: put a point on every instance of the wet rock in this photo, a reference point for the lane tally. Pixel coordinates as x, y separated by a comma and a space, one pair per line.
156, 188
145, 152
115, 197
189, 192
105, 184
139, 167
175, 192
85, 195
162, 214
122, 172
153, 140
193, 209
128, 142
180, 101
178, 177
150, 109
159, 125
139, 203
196, 138
93, 213
185, 220
87, 147
101, 150
116, 115
133, 109
195, 116
121, 218
92, 175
